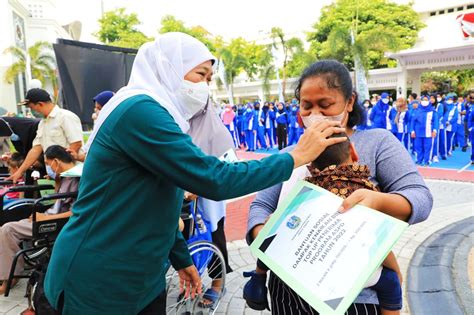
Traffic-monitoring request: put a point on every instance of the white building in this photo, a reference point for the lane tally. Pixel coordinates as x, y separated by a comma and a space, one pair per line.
23, 23
440, 46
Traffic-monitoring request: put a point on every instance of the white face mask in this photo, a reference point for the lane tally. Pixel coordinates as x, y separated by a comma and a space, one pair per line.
385, 100
309, 120
439, 99
449, 101
425, 103
194, 97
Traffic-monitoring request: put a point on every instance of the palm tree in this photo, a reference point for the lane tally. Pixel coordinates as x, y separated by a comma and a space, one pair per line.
289, 48
380, 39
42, 64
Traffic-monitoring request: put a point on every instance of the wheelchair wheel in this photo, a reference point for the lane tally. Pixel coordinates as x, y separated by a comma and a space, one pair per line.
210, 263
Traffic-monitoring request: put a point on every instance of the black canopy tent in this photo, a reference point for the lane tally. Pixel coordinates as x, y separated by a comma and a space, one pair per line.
86, 69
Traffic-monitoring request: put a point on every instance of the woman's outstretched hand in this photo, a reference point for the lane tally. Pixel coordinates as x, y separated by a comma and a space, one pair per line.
315, 140
190, 282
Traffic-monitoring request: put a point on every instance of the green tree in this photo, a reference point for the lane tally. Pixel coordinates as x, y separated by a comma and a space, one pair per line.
459, 81
118, 28
42, 64
170, 24
290, 48
359, 32
234, 59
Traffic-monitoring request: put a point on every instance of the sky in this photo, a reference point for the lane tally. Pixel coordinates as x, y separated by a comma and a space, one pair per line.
247, 18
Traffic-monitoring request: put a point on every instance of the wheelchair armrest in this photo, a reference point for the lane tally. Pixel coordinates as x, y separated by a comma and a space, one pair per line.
57, 196
30, 188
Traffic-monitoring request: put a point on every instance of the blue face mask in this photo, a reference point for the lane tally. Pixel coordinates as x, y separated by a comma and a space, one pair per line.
294, 109
249, 110
50, 172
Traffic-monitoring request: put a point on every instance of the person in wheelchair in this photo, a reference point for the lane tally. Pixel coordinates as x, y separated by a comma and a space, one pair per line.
57, 160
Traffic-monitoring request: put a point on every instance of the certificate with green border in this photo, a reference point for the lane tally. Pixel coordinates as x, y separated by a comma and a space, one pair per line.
325, 256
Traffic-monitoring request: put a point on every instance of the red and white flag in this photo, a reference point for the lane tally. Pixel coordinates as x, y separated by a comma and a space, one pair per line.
467, 24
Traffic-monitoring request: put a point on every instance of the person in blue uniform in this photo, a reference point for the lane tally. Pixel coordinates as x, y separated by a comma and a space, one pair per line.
401, 121
450, 120
282, 124
260, 124
412, 109
249, 127
293, 125
267, 118
459, 139
239, 123
439, 142
424, 127
274, 108
366, 124
470, 123
382, 114
236, 133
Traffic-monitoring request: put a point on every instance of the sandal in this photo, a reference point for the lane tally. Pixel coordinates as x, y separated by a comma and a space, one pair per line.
212, 296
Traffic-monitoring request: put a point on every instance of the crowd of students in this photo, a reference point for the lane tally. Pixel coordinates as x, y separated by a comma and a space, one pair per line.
430, 126
253, 126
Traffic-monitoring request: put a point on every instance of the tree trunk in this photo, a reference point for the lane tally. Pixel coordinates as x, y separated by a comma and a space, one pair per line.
361, 80
230, 93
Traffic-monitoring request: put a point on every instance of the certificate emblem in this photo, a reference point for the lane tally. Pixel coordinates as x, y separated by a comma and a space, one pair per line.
293, 222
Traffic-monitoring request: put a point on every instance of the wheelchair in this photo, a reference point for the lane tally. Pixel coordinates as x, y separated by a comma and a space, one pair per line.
22, 208
208, 260
36, 251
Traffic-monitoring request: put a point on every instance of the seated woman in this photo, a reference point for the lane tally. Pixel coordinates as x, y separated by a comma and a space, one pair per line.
57, 161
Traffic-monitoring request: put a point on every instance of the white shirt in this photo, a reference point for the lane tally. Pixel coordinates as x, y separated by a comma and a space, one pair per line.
61, 127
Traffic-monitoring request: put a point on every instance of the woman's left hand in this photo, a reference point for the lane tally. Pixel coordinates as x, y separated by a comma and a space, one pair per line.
189, 281
364, 197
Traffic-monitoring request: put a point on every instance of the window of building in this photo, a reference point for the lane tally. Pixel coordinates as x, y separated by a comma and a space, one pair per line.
460, 8
432, 13
441, 12
450, 10
471, 6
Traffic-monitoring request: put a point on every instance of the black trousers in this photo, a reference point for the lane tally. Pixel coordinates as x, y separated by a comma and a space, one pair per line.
156, 307
218, 238
285, 301
282, 136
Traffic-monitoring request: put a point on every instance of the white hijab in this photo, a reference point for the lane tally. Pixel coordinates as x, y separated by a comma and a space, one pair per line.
158, 71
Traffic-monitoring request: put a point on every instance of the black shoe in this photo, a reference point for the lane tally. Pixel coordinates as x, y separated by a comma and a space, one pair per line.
464, 148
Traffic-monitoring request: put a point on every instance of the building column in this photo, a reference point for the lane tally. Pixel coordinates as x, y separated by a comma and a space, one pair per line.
402, 83
415, 77
261, 94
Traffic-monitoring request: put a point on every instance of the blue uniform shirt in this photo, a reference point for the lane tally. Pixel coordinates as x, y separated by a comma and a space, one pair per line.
425, 122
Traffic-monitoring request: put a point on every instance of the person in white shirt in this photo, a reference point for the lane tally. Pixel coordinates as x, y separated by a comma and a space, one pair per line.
57, 127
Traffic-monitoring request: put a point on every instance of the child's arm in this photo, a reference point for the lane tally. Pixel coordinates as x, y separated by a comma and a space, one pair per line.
391, 263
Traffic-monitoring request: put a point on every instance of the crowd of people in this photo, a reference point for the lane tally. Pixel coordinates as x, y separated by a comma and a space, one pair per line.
430, 126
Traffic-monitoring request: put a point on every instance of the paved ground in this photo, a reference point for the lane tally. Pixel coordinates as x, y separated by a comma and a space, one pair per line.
453, 202
438, 279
